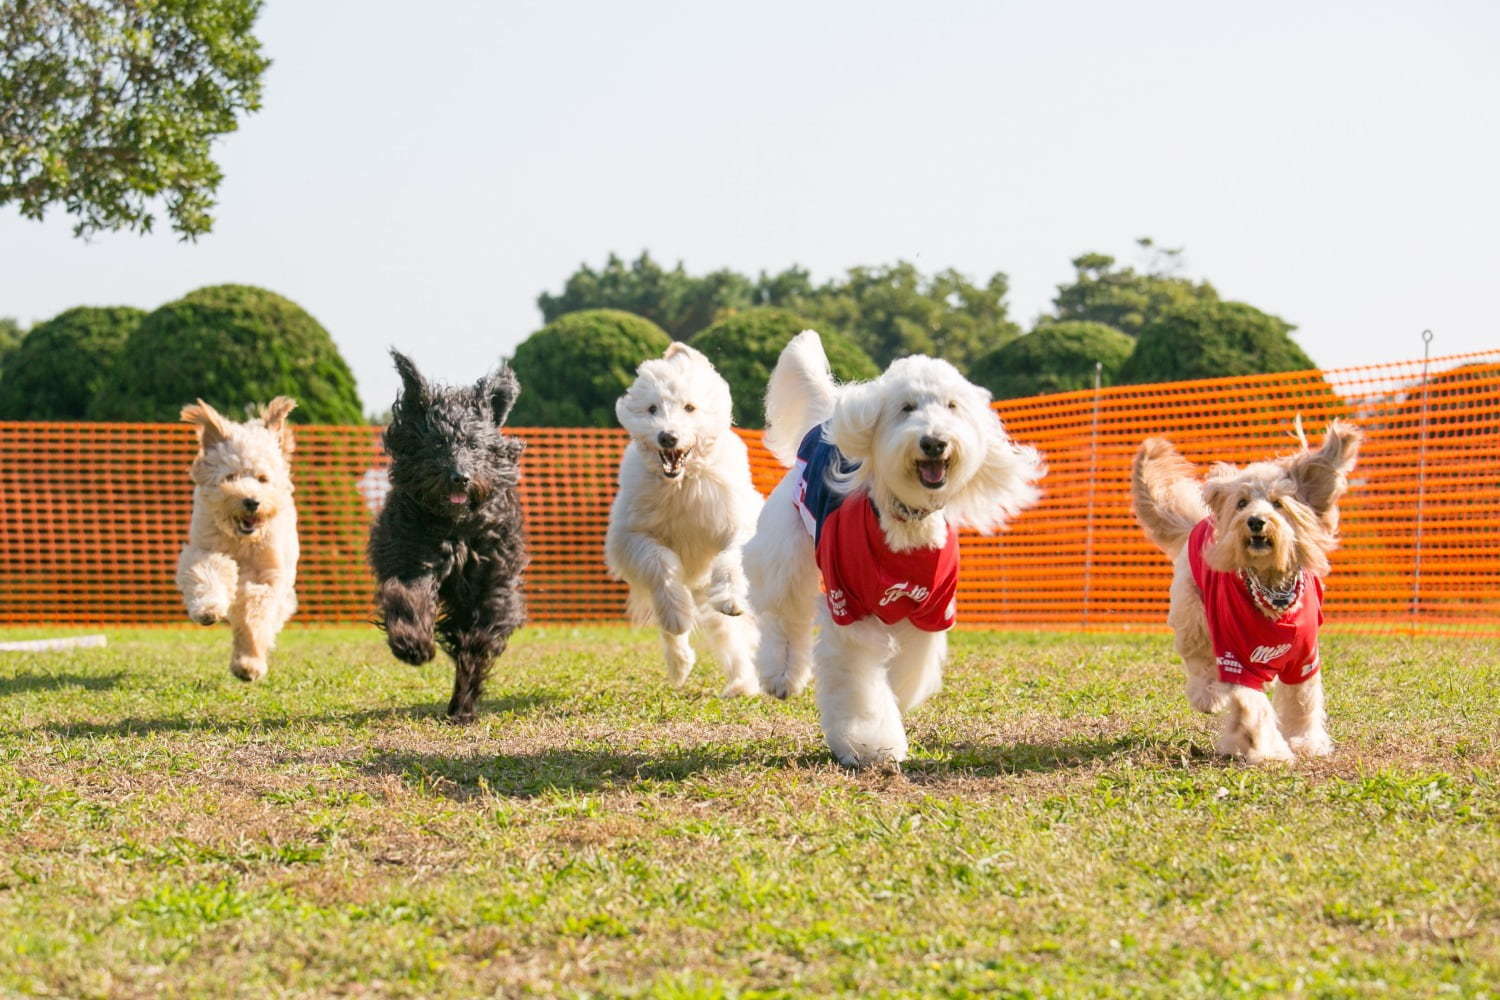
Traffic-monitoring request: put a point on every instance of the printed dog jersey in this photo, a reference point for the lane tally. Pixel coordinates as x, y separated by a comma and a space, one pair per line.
1249, 648
861, 575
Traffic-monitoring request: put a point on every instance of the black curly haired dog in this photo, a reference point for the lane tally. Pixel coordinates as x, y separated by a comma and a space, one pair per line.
448, 547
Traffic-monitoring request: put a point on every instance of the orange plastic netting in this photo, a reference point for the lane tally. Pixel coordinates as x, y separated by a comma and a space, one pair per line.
92, 515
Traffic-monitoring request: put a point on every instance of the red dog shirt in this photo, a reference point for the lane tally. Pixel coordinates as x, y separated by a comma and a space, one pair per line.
1250, 648
861, 575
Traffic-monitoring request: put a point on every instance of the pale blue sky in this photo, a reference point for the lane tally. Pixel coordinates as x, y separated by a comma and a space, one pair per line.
421, 171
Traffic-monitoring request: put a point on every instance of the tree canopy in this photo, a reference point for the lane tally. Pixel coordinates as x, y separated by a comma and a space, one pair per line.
744, 348
58, 369
11, 332
1056, 357
573, 369
108, 108
231, 345
1213, 339
888, 310
1118, 296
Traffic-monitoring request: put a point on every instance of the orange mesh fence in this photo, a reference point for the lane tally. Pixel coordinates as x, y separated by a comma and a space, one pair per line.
92, 515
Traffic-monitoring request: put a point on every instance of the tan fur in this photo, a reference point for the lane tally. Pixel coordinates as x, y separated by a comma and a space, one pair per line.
1296, 497
225, 572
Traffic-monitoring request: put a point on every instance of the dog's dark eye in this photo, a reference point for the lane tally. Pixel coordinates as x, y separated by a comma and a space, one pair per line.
689, 407
1276, 504
651, 408
908, 407
952, 404
262, 479
229, 478
1242, 504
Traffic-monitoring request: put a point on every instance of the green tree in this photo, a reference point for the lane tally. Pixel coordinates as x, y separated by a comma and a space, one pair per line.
744, 348
1213, 339
1056, 357
109, 108
674, 300
231, 345
61, 365
11, 332
1121, 297
573, 369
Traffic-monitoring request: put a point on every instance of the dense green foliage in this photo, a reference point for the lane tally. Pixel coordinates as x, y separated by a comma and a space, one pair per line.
109, 108
1056, 357
1213, 339
744, 348
1121, 297
889, 311
11, 332
573, 369
231, 345
1062, 828
58, 368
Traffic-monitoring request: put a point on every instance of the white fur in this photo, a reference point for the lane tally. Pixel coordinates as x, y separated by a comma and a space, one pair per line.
870, 674
677, 541
224, 572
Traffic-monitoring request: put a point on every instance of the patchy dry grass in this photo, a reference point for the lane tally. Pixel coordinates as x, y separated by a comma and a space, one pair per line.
1061, 831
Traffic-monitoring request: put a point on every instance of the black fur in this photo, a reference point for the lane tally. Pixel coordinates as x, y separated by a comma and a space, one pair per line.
450, 573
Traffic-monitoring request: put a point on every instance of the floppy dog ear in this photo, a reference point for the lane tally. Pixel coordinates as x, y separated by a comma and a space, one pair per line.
211, 425
414, 392
1004, 484
277, 410
678, 349
500, 389
856, 411
1216, 488
1321, 476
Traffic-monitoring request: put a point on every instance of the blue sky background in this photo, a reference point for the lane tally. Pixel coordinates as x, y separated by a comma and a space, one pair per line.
420, 172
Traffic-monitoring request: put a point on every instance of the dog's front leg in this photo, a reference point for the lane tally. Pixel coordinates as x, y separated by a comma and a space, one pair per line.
256, 617
408, 611
1302, 718
1249, 730
207, 580
916, 670
861, 720
644, 562
476, 636
728, 592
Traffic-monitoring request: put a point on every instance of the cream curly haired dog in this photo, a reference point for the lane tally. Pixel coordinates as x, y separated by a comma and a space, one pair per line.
685, 506
1250, 551
240, 561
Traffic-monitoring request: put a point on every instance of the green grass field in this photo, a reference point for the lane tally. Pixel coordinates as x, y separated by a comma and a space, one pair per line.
1060, 831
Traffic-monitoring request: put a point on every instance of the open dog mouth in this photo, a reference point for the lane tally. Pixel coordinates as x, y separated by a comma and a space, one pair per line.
933, 472
671, 461
458, 497
247, 524
1258, 542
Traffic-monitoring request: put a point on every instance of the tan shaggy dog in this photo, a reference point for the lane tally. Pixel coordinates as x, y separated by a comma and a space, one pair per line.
1258, 540
240, 561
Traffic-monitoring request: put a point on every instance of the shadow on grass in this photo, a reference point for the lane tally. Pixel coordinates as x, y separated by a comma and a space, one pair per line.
30, 681
516, 705
980, 760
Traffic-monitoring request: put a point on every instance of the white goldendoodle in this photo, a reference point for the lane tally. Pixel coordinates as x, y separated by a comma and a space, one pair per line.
685, 507
240, 561
1250, 549
882, 475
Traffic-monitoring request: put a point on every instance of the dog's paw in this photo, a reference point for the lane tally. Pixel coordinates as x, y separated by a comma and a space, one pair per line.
461, 718
740, 687
208, 612
248, 668
1311, 745
729, 606
410, 647
674, 619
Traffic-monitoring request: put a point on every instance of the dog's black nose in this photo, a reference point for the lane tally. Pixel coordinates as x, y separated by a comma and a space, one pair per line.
251, 504
667, 439
1256, 524
933, 447
459, 479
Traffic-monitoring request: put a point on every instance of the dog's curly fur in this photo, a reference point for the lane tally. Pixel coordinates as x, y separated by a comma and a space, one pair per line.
1294, 500
448, 548
868, 673
240, 561
685, 506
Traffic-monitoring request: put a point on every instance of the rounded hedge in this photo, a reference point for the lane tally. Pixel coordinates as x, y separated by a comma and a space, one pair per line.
744, 347
231, 345
1058, 357
57, 370
573, 369
1211, 340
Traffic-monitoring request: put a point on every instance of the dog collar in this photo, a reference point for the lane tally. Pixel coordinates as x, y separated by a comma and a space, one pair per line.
902, 512
1274, 603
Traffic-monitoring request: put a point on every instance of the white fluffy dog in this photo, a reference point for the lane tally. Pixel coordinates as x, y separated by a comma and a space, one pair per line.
240, 561
685, 507
1250, 549
931, 457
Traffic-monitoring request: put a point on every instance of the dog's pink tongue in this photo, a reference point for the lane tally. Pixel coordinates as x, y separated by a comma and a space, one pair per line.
458, 498
932, 472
